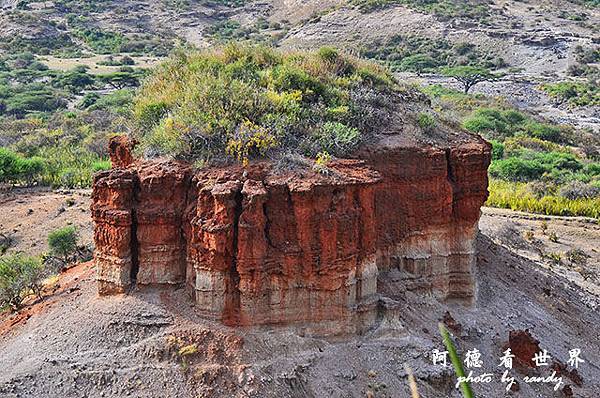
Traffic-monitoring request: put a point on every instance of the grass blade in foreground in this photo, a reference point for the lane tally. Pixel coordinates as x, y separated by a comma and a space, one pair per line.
414, 393
464, 386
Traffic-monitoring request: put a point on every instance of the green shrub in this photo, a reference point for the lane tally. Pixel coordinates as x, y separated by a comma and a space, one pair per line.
328, 54
20, 276
88, 100
43, 100
486, 124
337, 138
501, 124
517, 169
520, 142
196, 105
425, 121
63, 242
16, 169
8, 165
101, 42
31, 170
418, 63
417, 53
101, 165
118, 102
443, 9
542, 131
526, 165
497, 150
592, 169
149, 114
573, 93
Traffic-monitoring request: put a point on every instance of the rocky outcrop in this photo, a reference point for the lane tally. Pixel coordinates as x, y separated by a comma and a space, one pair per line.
257, 246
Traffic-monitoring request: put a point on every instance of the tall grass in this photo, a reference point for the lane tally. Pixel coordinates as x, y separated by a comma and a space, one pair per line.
516, 196
456, 363
412, 383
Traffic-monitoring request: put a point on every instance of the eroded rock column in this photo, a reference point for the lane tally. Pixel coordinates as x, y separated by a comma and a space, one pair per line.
112, 212
161, 198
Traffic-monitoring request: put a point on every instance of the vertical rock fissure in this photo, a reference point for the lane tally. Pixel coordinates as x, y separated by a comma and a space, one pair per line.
449, 171
232, 305
359, 249
134, 244
451, 179
267, 225
183, 223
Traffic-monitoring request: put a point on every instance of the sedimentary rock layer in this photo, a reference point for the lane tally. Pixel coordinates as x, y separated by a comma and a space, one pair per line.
255, 246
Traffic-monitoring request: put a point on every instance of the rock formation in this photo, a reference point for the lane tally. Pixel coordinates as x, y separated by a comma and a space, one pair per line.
258, 246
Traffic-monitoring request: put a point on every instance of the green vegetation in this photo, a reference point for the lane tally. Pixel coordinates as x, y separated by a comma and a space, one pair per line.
244, 102
57, 164
64, 38
40, 142
443, 9
575, 94
20, 276
419, 54
231, 30
101, 42
65, 155
501, 124
181, 5
28, 88
536, 166
468, 76
106, 42
16, 169
528, 165
465, 387
426, 121
63, 242
518, 196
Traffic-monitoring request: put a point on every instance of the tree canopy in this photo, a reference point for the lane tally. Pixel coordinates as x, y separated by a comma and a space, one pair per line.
469, 76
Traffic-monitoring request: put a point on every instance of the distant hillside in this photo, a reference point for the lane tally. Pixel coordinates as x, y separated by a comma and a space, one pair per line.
540, 36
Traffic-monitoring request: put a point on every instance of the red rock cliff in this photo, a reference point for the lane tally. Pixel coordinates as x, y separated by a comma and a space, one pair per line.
258, 247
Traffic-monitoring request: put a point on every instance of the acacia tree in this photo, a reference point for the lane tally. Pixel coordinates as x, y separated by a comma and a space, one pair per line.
469, 76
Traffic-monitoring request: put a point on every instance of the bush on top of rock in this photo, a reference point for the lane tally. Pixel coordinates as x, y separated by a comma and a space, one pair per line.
241, 102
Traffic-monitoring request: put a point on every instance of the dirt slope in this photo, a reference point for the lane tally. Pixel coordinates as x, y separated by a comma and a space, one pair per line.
152, 343
27, 216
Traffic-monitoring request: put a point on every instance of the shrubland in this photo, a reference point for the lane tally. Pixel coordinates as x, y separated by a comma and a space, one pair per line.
574, 93
22, 276
419, 54
536, 166
42, 142
253, 101
443, 9
239, 102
